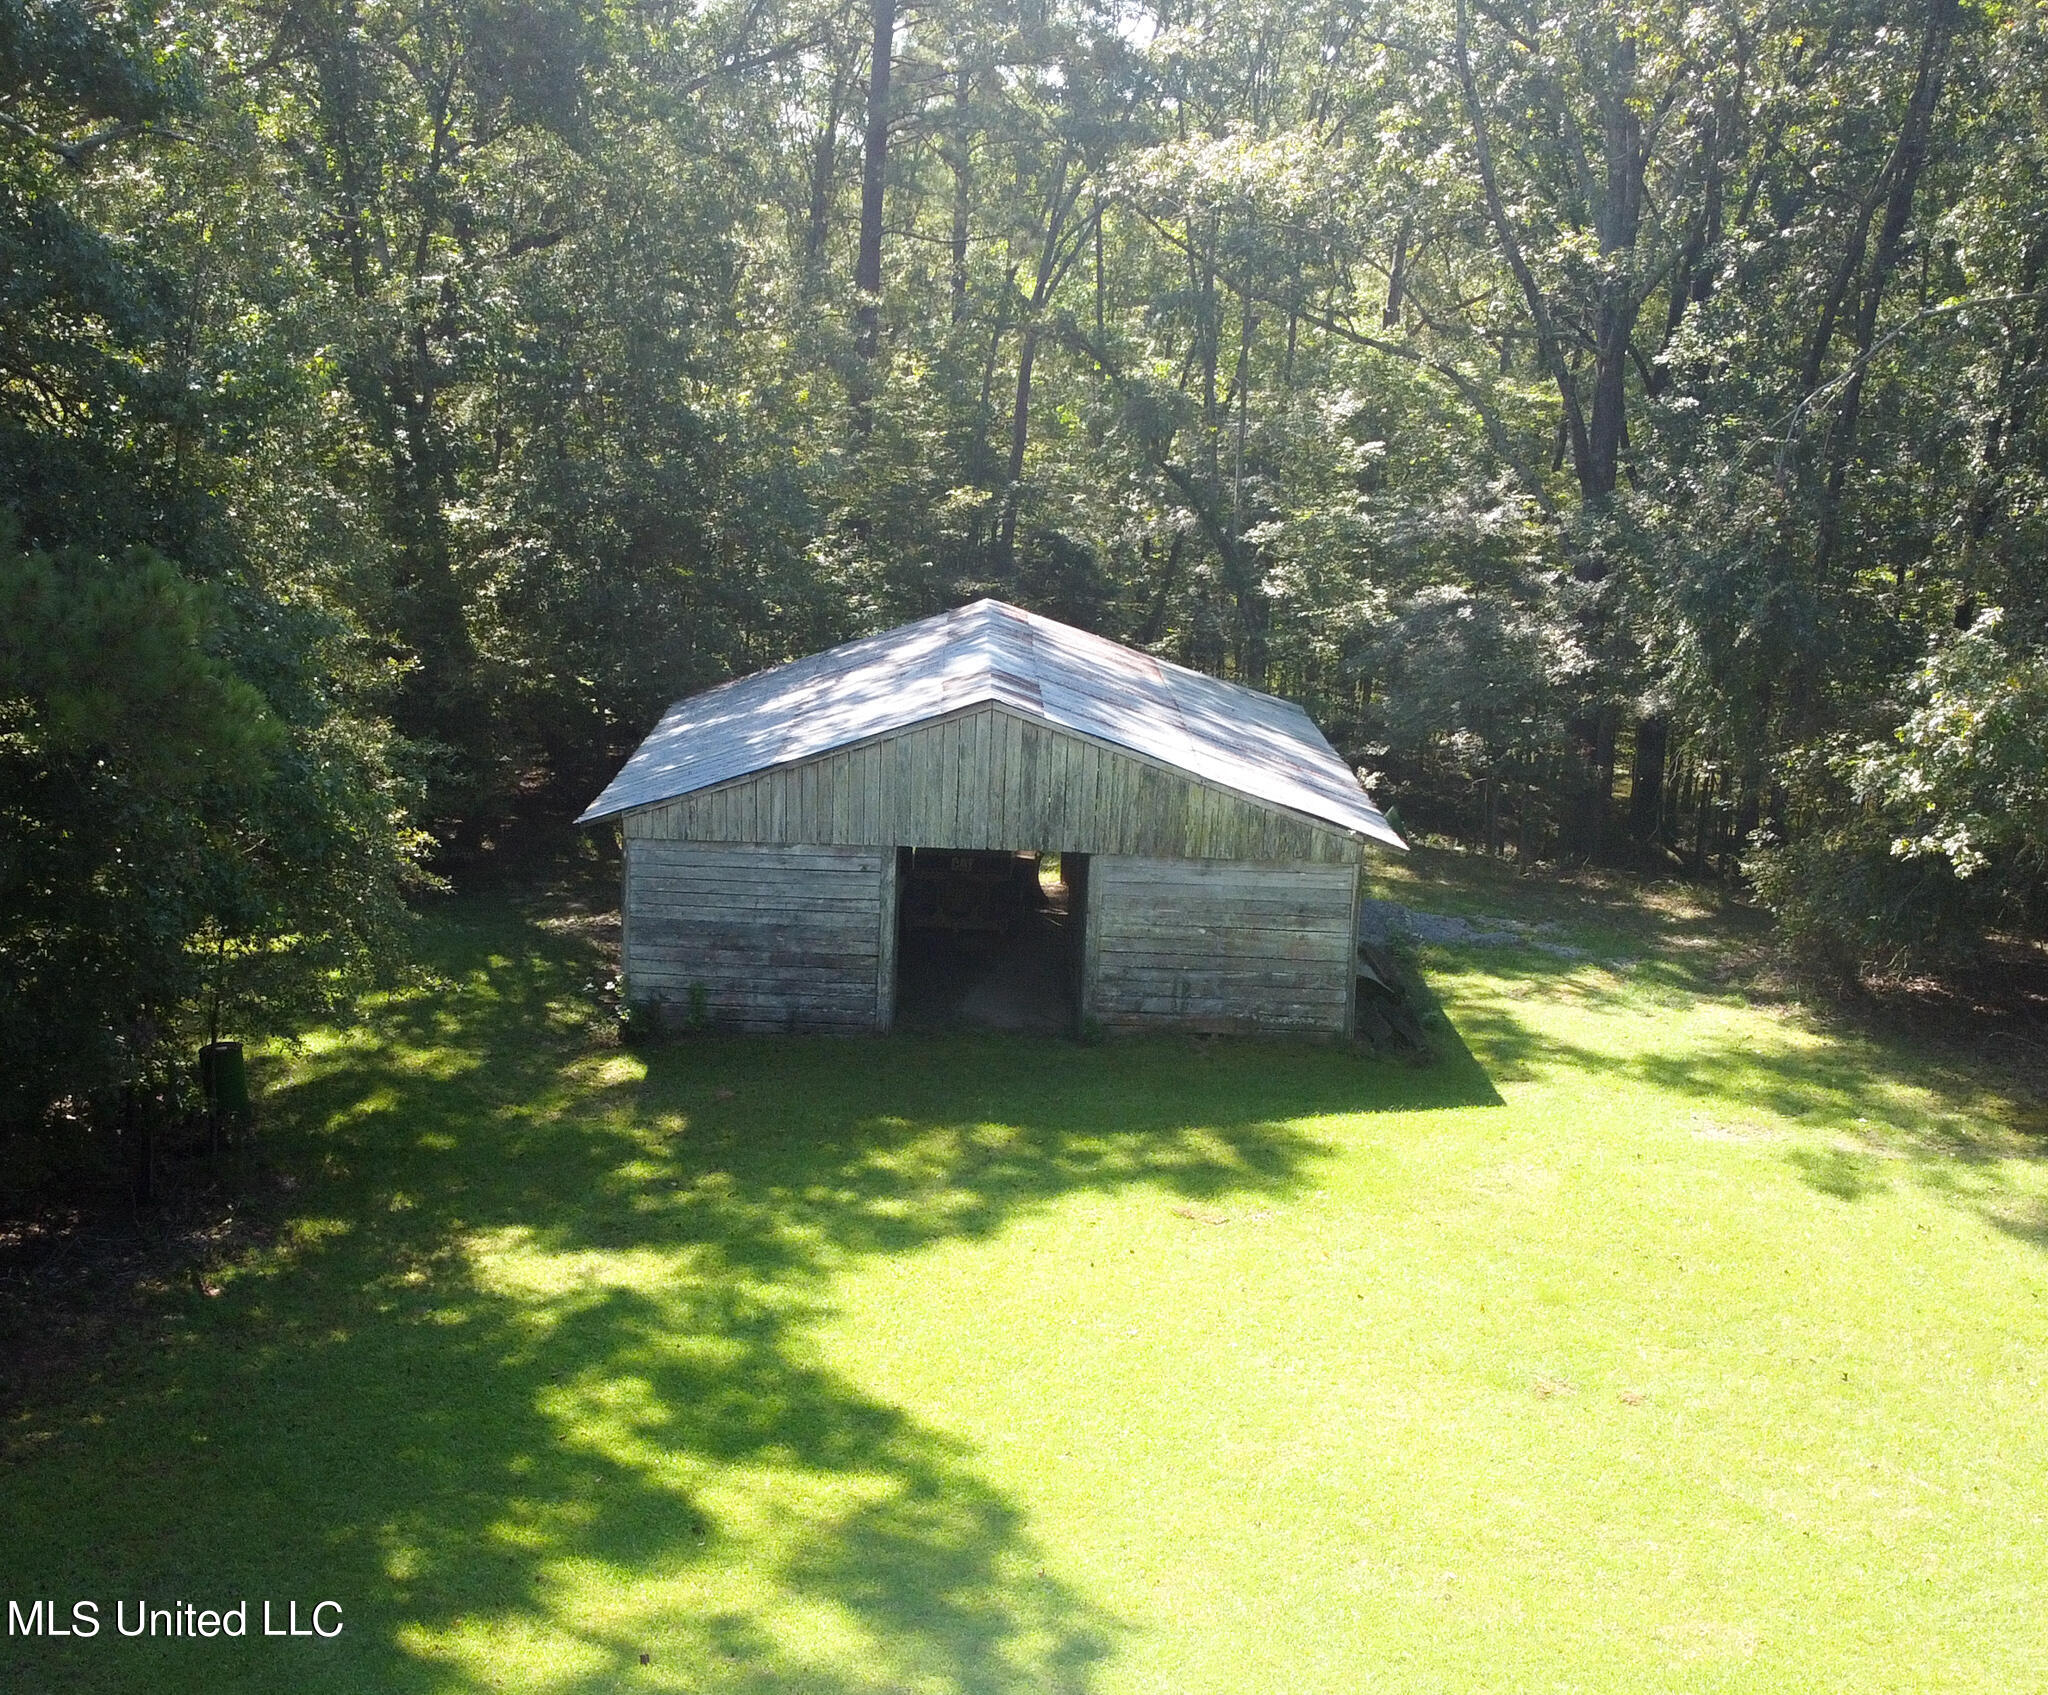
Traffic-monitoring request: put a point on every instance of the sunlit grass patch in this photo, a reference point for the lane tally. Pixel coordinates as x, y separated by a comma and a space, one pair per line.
1656, 1337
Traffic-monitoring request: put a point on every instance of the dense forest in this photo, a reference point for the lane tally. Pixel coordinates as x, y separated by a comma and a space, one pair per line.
1621, 425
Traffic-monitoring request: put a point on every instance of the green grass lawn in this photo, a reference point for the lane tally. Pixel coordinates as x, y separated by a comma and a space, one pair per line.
1654, 1339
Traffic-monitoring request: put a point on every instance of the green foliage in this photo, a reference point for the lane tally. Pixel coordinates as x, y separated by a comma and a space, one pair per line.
203, 823
1555, 400
121, 734
1968, 777
174, 840
1923, 842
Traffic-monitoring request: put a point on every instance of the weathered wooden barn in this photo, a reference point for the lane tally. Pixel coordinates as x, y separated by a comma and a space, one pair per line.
798, 840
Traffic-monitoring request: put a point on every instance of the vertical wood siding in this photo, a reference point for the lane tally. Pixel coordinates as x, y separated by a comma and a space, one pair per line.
1219, 945
777, 938
989, 778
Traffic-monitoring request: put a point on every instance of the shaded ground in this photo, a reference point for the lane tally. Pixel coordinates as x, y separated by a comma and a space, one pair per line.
1021, 982
541, 1301
1662, 1338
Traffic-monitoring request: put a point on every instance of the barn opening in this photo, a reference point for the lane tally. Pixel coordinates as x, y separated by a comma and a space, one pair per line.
989, 940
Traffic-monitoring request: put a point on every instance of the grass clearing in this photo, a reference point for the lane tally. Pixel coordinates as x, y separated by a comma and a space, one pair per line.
1656, 1338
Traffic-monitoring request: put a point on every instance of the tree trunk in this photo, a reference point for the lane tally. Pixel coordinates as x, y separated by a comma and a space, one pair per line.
1646, 779
962, 161
1905, 166
1549, 344
1618, 216
867, 270
1397, 279
824, 162
1020, 434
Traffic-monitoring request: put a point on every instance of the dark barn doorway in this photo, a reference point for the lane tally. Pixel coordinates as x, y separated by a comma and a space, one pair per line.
989, 940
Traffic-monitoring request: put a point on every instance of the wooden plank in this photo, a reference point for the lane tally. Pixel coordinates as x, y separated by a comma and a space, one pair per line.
1312, 1015
1013, 776
848, 991
973, 824
752, 904
1160, 998
1323, 970
749, 908
758, 853
821, 926
1184, 932
1152, 902
855, 989
887, 822
825, 893
839, 918
1153, 905
1131, 919
1250, 1001
800, 1006
927, 785
790, 784
1029, 780
655, 956
1151, 908
946, 816
770, 1018
1091, 948
1244, 994
907, 793
626, 850
858, 1005
1224, 944
867, 825
1240, 1025
1127, 812
733, 879
995, 834
1070, 812
820, 929
1081, 813
1209, 872
762, 874
1351, 953
1052, 770
729, 957
1115, 955
753, 937
885, 951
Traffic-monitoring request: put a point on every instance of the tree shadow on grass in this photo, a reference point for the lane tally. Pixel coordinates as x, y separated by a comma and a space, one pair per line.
530, 1383
1890, 1106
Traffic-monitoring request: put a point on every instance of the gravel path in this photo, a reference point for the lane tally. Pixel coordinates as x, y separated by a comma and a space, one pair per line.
1383, 920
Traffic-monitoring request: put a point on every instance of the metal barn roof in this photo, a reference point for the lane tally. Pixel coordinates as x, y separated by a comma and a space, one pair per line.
1256, 745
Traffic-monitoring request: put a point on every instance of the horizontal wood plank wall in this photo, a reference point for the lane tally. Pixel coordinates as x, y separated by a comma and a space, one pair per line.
1219, 945
779, 938
988, 778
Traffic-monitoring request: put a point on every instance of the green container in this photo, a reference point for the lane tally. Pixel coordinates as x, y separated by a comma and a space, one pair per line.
224, 1080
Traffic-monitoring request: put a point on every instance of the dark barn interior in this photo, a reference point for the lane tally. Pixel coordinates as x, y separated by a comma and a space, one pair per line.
989, 940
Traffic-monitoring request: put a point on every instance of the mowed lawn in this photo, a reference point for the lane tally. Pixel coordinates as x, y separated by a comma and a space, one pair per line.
1653, 1339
